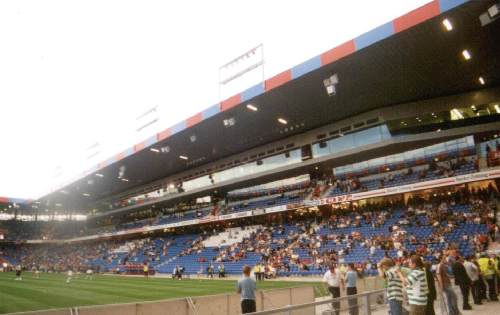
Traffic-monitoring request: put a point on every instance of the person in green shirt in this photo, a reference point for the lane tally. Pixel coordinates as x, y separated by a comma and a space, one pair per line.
415, 282
394, 286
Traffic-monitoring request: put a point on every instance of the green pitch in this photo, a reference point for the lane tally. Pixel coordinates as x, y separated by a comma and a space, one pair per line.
51, 290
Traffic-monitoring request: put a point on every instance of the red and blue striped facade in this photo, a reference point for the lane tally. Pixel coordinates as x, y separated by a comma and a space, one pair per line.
6, 200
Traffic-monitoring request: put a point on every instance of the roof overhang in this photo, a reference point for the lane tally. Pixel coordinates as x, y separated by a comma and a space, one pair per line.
409, 59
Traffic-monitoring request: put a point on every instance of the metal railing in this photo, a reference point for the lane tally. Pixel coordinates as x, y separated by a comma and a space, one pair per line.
366, 303
192, 306
360, 304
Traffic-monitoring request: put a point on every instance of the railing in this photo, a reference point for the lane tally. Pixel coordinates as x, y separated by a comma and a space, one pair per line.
366, 303
192, 306
359, 304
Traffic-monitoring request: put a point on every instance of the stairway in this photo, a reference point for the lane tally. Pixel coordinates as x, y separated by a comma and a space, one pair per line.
230, 236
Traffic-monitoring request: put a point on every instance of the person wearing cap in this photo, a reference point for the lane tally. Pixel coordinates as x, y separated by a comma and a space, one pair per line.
246, 286
333, 280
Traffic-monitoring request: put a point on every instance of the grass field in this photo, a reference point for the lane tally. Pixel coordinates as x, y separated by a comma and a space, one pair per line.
51, 290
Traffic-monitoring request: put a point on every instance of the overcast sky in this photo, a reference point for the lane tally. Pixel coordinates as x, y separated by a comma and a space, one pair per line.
73, 73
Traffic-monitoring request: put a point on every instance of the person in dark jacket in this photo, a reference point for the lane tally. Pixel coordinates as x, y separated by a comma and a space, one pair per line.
431, 297
462, 280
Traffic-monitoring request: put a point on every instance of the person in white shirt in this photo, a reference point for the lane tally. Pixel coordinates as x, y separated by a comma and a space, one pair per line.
70, 276
19, 269
36, 272
90, 274
473, 272
334, 281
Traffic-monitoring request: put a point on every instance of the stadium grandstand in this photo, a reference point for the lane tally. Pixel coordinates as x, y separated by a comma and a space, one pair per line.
384, 147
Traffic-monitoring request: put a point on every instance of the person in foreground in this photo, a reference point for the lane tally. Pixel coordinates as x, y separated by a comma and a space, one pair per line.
334, 281
431, 285
246, 287
389, 272
445, 286
416, 286
463, 280
351, 278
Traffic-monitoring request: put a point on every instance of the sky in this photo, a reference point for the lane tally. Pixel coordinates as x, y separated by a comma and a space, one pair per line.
75, 73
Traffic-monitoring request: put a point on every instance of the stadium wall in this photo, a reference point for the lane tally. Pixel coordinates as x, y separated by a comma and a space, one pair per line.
222, 304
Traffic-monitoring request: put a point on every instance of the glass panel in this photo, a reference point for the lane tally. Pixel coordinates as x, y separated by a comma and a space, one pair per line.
268, 163
450, 147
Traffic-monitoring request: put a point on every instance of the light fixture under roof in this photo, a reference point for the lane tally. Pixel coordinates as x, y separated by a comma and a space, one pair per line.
183, 157
86, 195
447, 24
124, 179
282, 121
456, 114
330, 84
252, 107
481, 80
229, 122
466, 54
154, 150
99, 175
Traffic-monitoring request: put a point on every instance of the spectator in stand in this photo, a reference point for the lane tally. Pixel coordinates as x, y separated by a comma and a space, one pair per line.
247, 287
333, 281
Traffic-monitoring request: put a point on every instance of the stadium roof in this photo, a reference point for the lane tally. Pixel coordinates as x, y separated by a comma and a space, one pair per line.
408, 59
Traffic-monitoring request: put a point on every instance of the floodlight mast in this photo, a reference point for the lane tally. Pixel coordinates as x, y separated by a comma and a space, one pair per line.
244, 64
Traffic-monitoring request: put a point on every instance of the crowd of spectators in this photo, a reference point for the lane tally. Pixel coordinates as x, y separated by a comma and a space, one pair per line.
242, 201
280, 249
304, 241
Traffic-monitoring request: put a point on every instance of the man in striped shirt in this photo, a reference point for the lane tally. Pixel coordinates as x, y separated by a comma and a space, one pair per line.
389, 271
416, 286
